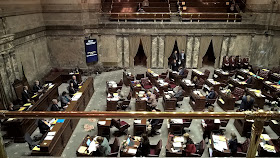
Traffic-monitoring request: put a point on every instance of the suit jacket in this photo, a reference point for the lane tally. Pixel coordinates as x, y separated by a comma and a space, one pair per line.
25, 96
43, 127
55, 107
182, 57
71, 91
154, 122
246, 105
176, 56
36, 88
210, 125
64, 100
211, 95
178, 94
104, 148
144, 148
75, 84
174, 66
233, 145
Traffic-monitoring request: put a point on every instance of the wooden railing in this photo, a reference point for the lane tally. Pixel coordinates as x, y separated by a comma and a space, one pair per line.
259, 117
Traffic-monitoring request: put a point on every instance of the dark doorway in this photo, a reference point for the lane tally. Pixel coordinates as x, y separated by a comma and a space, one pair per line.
170, 59
209, 57
140, 58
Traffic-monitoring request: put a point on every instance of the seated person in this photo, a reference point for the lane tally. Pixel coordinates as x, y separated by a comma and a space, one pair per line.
174, 65
232, 144
13, 107
211, 94
249, 80
144, 147
226, 63
65, 101
247, 103
71, 90
152, 101
54, 106
181, 71
37, 87
153, 123
43, 126
25, 94
190, 147
104, 147
179, 94
75, 83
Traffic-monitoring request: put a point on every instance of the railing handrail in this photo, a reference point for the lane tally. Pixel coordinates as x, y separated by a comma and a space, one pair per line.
172, 13
257, 115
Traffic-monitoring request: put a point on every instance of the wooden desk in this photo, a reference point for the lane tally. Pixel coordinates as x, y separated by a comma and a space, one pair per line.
275, 126
259, 98
264, 152
64, 130
225, 101
84, 143
135, 87
62, 77
127, 79
139, 128
18, 127
275, 77
112, 105
169, 145
271, 89
198, 74
211, 83
111, 89
176, 126
197, 102
140, 105
124, 150
162, 87
104, 129
222, 76
153, 77
214, 142
243, 127
176, 77
237, 83
242, 74
188, 88
169, 104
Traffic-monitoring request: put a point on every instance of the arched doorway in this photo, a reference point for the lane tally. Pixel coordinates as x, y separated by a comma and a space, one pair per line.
175, 48
140, 58
209, 57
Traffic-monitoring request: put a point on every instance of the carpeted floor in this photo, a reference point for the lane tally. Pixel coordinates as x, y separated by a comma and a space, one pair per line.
98, 102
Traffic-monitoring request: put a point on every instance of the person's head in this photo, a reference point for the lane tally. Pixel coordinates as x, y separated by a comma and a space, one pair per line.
74, 77
210, 109
233, 135
99, 140
54, 101
195, 78
174, 61
248, 97
149, 94
25, 88
154, 110
180, 68
183, 51
227, 57
211, 88
186, 135
11, 105
37, 83
63, 93
145, 137
175, 52
118, 91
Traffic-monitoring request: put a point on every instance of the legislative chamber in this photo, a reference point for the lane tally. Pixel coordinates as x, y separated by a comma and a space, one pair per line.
139, 78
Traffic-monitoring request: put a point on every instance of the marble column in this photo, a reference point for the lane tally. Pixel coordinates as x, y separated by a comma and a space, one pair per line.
160, 51
257, 129
154, 63
232, 41
224, 50
196, 46
126, 51
189, 51
120, 49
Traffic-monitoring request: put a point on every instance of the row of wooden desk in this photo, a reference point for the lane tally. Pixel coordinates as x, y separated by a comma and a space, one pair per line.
64, 130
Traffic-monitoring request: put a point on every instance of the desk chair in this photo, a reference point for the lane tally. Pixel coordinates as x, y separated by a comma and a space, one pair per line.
124, 104
180, 98
30, 142
187, 123
206, 73
200, 147
114, 148
120, 83
238, 93
176, 129
212, 101
155, 149
200, 83
223, 126
139, 76
157, 127
171, 84
122, 126
242, 148
163, 75
146, 83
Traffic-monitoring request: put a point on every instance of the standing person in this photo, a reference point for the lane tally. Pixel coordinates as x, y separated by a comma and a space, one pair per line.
25, 95
226, 65
104, 147
71, 90
247, 103
144, 147
190, 147
174, 65
233, 144
183, 59
75, 83
176, 56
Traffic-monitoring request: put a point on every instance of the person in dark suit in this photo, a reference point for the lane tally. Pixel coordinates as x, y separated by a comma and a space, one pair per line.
175, 56
182, 58
233, 144
75, 83
144, 147
54, 106
211, 94
174, 65
226, 62
43, 126
71, 90
25, 95
247, 103
181, 71
232, 63
37, 87
64, 100
249, 80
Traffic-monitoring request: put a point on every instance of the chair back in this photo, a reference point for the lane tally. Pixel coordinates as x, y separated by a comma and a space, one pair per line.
187, 122
120, 83
116, 123
158, 147
115, 146
238, 93
28, 139
159, 125
200, 147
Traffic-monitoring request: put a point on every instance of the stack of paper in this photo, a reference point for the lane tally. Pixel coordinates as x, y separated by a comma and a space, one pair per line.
102, 122
178, 139
265, 137
180, 121
177, 145
77, 96
22, 108
50, 136
132, 151
36, 148
92, 147
137, 121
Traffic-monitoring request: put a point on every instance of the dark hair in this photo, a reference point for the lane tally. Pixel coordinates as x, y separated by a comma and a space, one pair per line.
63, 93
145, 138
99, 139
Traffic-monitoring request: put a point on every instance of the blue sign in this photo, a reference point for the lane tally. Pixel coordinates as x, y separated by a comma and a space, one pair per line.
91, 50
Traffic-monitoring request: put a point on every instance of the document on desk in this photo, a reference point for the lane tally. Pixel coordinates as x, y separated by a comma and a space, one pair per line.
137, 121
274, 122
51, 133
180, 121
77, 96
49, 137
178, 139
102, 122
177, 144
132, 151
92, 147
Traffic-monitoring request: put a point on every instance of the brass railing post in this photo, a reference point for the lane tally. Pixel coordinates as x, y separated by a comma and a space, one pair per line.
2, 148
257, 129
